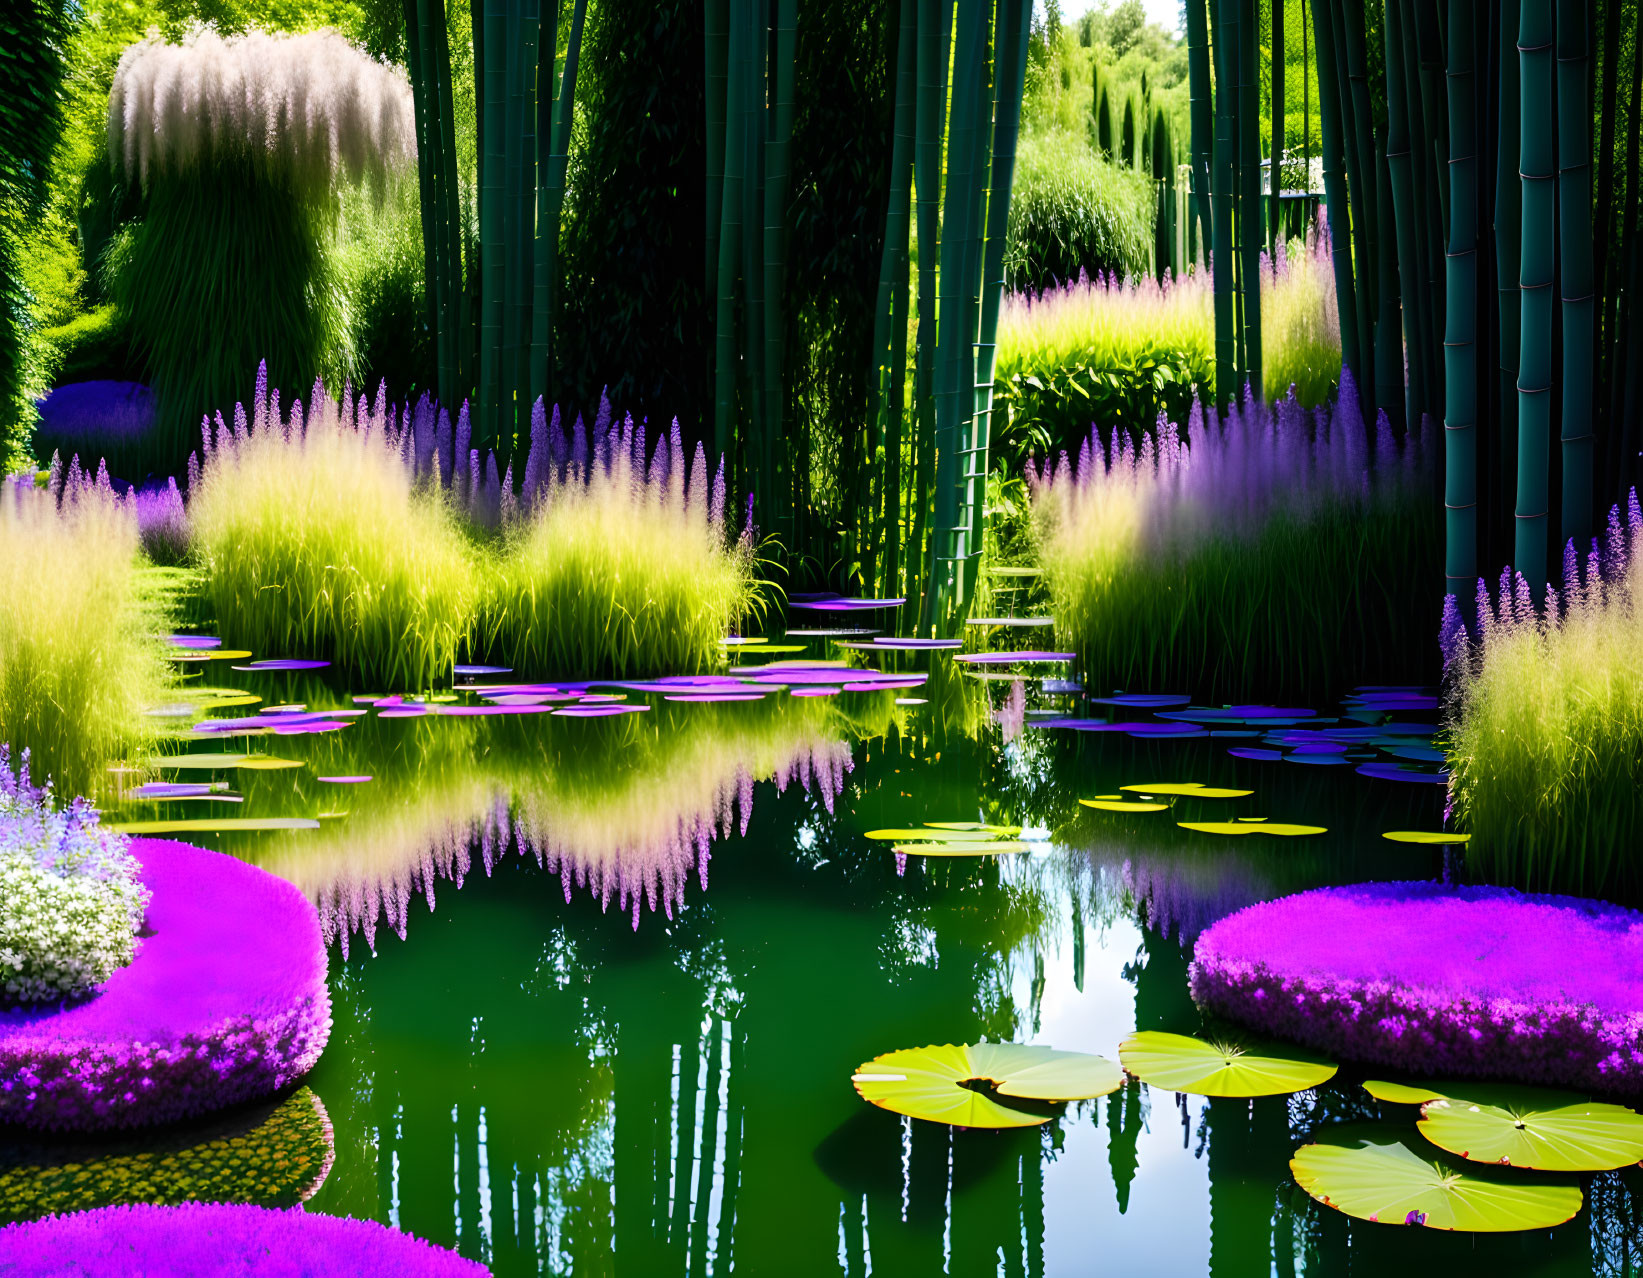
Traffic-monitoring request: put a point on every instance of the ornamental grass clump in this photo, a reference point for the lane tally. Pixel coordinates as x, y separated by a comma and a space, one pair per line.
610, 565
318, 540
80, 653
1264, 553
70, 902
1544, 709
1115, 350
239, 146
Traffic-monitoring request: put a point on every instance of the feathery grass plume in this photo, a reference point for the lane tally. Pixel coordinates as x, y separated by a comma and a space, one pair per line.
1269, 555
1119, 351
239, 146
80, 654
1545, 721
318, 540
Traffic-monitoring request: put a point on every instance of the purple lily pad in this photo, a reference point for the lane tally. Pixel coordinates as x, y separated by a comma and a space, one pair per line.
1396, 772
320, 725
815, 691
1234, 734
837, 604
344, 780
481, 670
874, 685
468, 711
1006, 658
917, 645
715, 696
1299, 756
1252, 752
600, 711
403, 712
1142, 700
172, 790
285, 663
194, 641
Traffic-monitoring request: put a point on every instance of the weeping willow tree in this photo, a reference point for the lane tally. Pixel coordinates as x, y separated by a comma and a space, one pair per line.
491, 301
960, 70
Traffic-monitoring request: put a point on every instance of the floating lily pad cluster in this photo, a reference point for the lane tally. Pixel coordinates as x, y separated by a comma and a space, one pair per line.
1159, 796
954, 838
1479, 1134
1015, 1085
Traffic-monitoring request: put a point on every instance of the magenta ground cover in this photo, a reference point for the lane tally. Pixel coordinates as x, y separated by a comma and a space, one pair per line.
226, 1001
207, 1240
1429, 979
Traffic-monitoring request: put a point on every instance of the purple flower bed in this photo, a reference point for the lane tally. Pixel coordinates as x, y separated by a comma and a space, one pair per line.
199, 1240
1430, 979
96, 420
225, 1002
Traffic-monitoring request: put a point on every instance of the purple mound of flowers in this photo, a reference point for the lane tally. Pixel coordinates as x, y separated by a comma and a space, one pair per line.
198, 1240
226, 1001
94, 418
1440, 980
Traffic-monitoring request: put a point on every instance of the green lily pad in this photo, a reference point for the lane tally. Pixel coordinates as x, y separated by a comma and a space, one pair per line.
975, 826
1123, 805
957, 1084
197, 762
1376, 1177
966, 847
267, 763
945, 834
1424, 836
1178, 1063
1189, 789
1400, 1093
1534, 1128
1251, 827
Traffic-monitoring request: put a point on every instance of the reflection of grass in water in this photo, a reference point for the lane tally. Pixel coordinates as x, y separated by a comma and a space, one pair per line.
623, 806
274, 1155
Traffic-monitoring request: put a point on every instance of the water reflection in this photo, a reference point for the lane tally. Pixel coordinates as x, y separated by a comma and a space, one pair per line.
525, 1077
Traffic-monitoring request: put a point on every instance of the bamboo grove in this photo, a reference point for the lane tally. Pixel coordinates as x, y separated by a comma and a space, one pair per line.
1486, 273
493, 321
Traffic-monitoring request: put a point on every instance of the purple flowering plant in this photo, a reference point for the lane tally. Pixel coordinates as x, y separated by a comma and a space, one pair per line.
225, 1002
1430, 979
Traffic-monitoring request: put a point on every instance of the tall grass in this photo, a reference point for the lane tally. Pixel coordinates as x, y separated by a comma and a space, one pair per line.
239, 146
1273, 553
80, 655
378, 539
1116, 351
317, 540
1545, 722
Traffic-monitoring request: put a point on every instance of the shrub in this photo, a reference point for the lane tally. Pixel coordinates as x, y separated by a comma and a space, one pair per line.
1267, 555
80, 659
1545, 718
238, 146
70, 903
317, 540
1072, 212
1120, 352
90, 347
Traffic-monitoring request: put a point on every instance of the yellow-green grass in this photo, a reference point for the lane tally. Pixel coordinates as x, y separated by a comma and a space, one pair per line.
611, 576
321, 543
81, 650
1545, 744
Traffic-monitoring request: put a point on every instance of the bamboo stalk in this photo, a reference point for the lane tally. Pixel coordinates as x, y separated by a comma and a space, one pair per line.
1460, 488
1508, 235
1275, 221
775, 235
1201, 109
1537, 103
1574, 222
1335, 196
1249, 197
1222, 265
1362, 171
1400, 164
552, 194
730, 252
715, 53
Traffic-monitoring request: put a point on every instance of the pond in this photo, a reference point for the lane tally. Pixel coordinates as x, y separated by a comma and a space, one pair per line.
600, 983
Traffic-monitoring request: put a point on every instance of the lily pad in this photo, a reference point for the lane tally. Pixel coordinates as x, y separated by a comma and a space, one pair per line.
267, 763
1400, 1093
1534, 1128
1189, 789
197, 762
1424, 836
964, 847
1179, 1063
946, 832
207, 823
1123, 805
957, 1084
1379, 1178
1252, 827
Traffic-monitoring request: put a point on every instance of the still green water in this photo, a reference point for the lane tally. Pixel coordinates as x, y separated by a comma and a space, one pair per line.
520, 1070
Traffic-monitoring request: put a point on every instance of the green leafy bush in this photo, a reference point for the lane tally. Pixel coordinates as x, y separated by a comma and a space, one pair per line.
1072, 212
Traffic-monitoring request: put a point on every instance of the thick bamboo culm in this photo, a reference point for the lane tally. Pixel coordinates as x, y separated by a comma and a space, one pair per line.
1574, 222
1536, 267
1460, 442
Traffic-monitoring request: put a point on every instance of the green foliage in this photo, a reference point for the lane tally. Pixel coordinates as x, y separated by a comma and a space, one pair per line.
380, 265
227, 268
274, 1156
79, 658
635, 315
92, 346
1073, 212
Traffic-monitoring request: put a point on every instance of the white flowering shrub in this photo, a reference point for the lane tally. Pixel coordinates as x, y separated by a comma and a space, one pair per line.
70, 902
